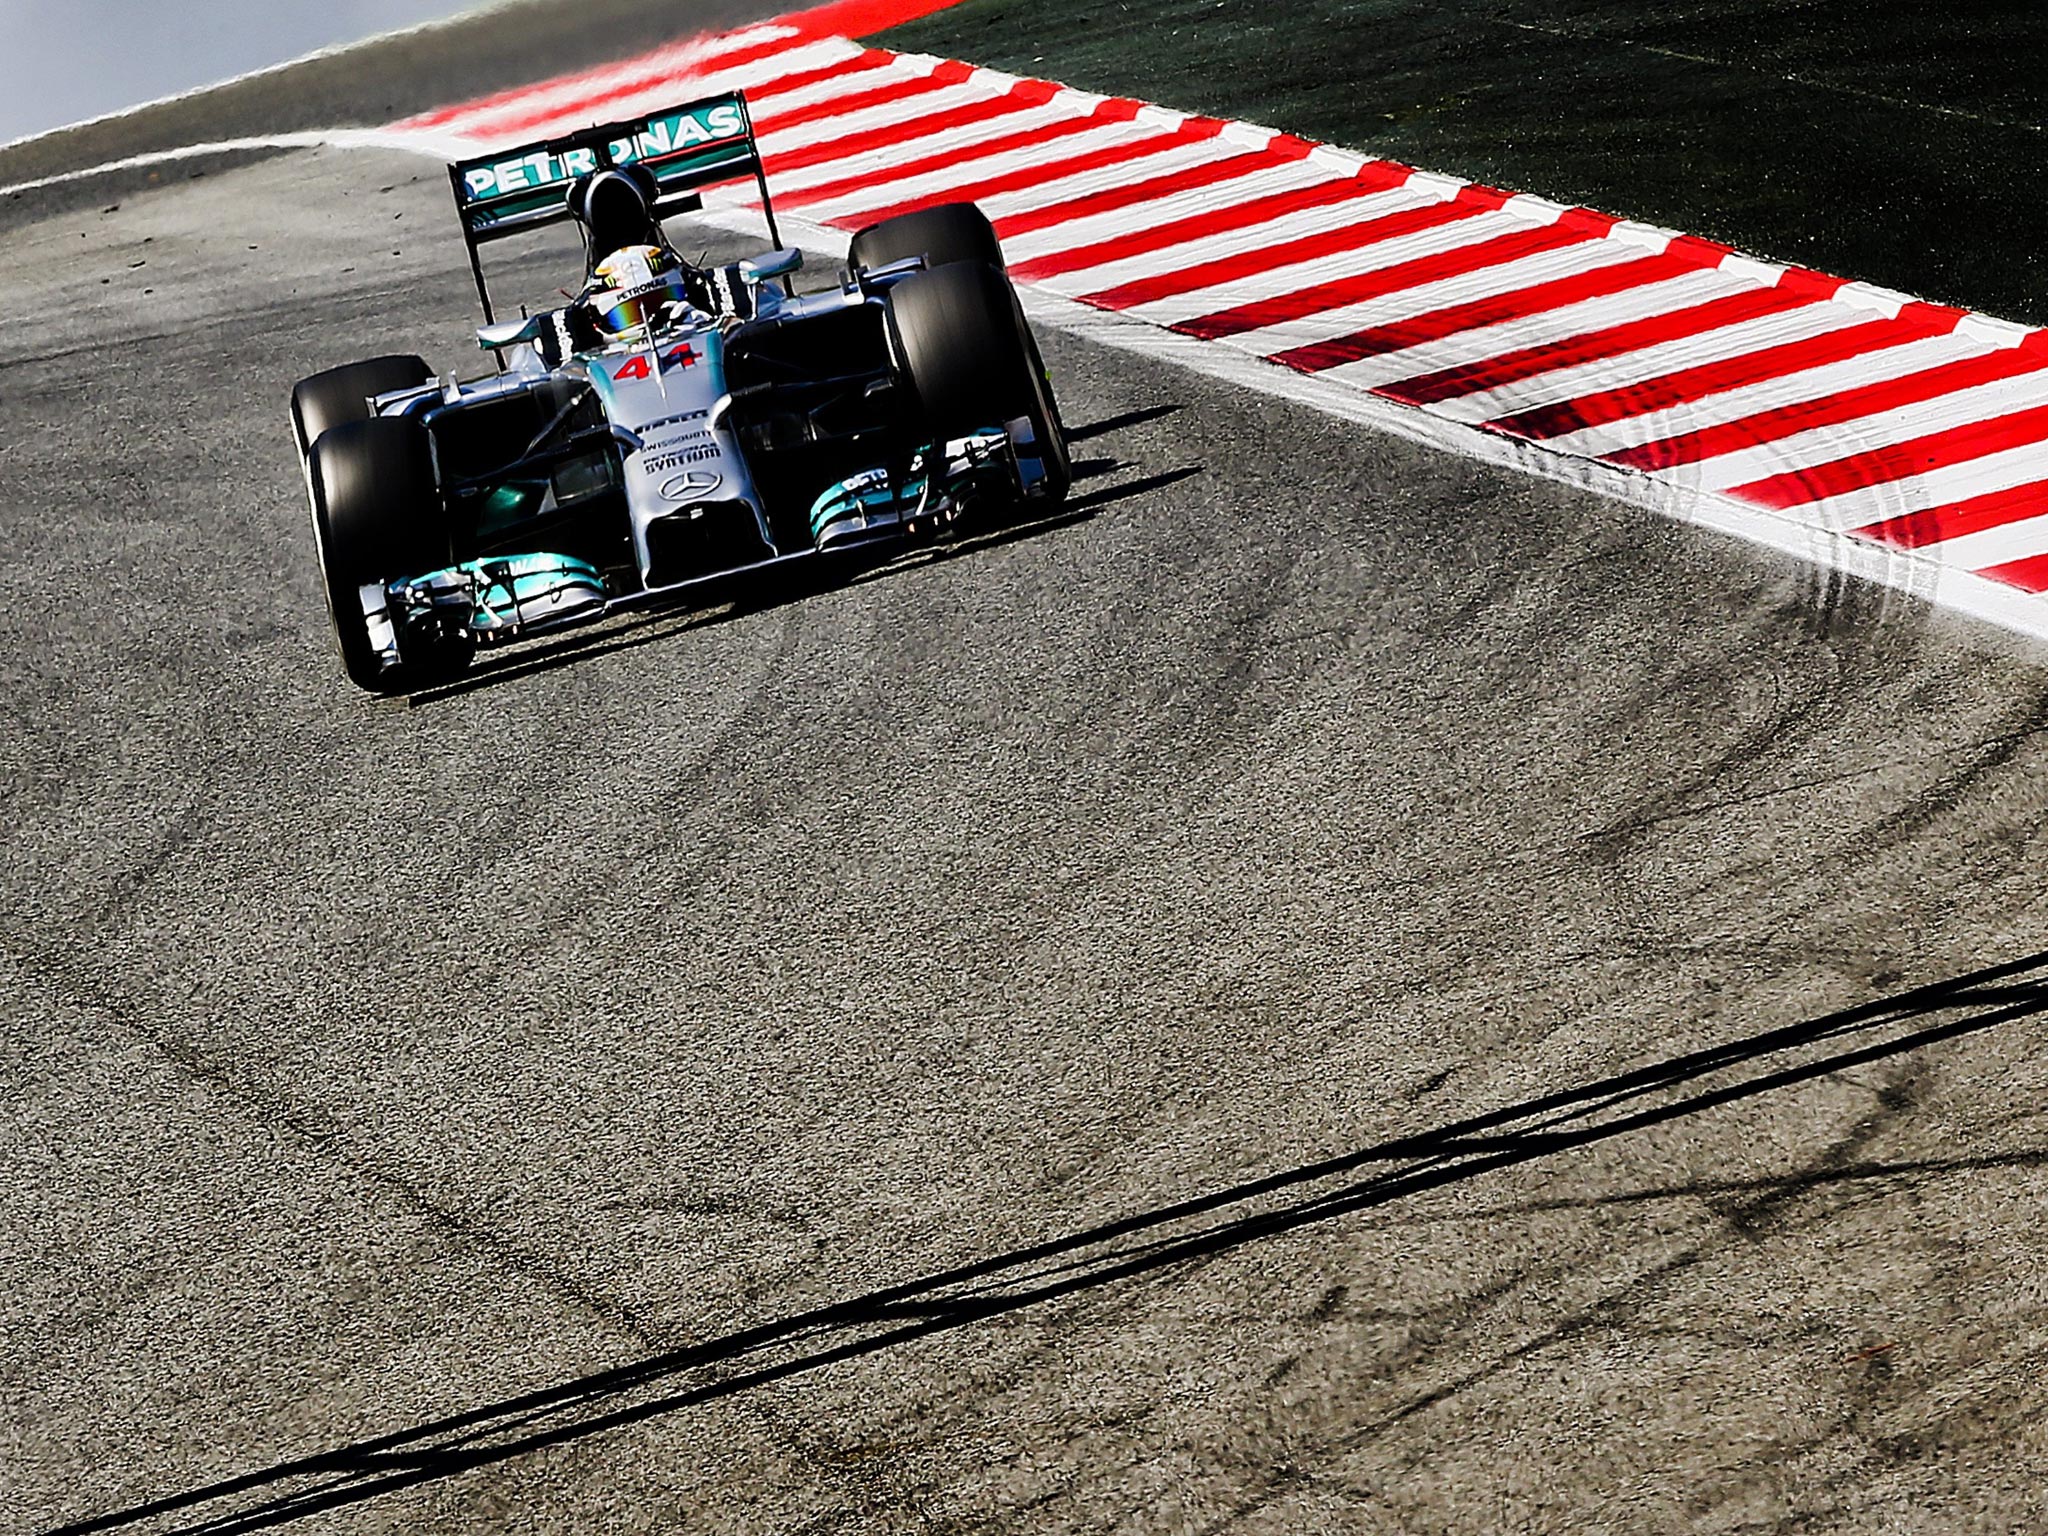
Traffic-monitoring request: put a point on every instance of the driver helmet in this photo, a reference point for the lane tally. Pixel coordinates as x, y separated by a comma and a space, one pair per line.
632, 284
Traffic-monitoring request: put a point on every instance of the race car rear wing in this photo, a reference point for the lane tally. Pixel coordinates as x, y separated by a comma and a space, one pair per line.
687, 147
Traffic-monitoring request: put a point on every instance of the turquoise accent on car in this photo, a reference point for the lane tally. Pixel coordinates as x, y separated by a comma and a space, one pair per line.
506, 504
869, 503
504, 597
870, 506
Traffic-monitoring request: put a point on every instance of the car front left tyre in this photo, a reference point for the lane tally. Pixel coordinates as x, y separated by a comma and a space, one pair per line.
377, 518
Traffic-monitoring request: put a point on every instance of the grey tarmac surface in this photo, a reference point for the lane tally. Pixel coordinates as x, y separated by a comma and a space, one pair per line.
1332, 989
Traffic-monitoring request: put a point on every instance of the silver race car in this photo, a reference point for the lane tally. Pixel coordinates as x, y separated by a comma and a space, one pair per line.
672, 427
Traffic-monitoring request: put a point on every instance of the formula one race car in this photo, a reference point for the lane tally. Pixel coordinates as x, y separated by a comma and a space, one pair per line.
671, 428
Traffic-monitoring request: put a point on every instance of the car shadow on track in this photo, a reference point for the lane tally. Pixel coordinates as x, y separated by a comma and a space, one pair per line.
1125, 422
1134, 1246
664, 623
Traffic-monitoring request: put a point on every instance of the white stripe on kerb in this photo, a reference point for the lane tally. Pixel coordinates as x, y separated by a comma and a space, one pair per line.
612, 96
884, 189
1295, 277
892, 114
1077, 234
504, 129
1631, 368
679, 61
1841, 440
1745, 401
1068, 190
1225, 243
1548, 327
2020, 539
2005, 470
1493, 280
795, 184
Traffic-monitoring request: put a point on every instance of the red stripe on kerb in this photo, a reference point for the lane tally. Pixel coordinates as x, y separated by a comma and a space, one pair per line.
1576, 225
595, 104
1845, 405
1287, 253
1689, 384
1559, 293
782, 85
675, 62
948, 73
1025, 93
1193, 131
1376, 176
847, 19
857, 18
1113, 198
2029, 575
1613, 341
1935, 525
1045, 133
1898, 461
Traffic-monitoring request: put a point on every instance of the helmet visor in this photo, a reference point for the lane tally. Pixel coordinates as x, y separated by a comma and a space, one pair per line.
628, 309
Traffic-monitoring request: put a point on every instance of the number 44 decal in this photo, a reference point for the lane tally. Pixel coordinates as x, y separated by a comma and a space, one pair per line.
682, 355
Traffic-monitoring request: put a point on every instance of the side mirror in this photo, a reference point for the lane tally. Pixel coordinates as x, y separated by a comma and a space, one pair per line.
510, 333
756, 270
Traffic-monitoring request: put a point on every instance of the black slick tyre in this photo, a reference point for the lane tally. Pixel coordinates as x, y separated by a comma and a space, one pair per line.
949, 233
377, 517
343, 394
960, 337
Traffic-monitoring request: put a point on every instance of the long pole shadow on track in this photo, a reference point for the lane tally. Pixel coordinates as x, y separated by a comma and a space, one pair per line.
1138, 1245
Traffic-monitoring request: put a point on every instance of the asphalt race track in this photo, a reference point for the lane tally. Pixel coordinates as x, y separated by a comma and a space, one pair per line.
1328, 988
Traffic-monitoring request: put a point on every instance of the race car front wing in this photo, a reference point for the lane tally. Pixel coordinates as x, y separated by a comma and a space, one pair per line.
495, 600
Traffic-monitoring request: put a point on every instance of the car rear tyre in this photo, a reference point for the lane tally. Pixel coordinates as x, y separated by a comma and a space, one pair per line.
377, 517
960, 336
950, 233
339, 395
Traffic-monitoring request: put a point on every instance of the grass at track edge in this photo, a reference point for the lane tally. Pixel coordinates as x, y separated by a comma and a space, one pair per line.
1896, 145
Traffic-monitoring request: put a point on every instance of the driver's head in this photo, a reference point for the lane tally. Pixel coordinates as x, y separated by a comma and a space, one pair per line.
616, 209
631, 286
